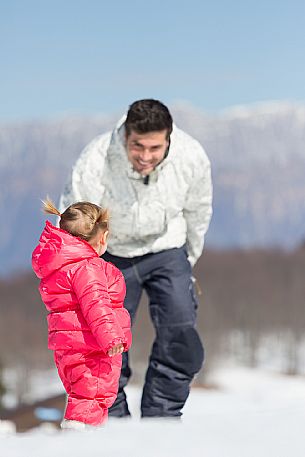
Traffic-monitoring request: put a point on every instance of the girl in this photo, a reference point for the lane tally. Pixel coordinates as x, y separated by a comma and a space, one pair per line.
88, 326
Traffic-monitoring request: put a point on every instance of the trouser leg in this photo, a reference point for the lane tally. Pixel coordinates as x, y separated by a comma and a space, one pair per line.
91, 381
177, 352
132, 299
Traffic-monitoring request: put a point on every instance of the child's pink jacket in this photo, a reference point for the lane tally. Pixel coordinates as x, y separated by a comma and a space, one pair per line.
83, 293
84, 296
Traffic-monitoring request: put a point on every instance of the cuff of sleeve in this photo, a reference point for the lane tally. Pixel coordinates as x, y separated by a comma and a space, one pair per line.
192, 260
114, 342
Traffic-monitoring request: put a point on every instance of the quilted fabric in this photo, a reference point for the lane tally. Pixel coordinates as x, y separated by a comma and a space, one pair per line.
84, 296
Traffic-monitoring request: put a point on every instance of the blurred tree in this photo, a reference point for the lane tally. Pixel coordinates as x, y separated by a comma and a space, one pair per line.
2, 386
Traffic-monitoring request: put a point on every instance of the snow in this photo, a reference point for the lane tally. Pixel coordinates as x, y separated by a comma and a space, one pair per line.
251, 414
269, 108
35, 384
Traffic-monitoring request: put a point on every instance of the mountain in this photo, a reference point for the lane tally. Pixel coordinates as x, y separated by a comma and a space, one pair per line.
258, 159
258, 162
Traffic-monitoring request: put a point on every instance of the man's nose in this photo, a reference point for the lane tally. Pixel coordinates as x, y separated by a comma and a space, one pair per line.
145, 154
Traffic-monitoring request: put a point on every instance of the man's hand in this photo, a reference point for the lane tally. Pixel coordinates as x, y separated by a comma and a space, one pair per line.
117, 349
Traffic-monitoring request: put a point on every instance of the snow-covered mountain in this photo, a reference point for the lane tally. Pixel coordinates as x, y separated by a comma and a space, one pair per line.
258, 161
258, 158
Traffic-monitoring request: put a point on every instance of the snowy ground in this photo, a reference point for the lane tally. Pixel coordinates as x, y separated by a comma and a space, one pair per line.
252, 414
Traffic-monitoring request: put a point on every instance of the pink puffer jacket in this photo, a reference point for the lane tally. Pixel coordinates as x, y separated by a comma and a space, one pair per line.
83, 294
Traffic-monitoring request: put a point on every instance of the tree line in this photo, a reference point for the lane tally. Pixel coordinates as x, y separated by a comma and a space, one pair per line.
248, 299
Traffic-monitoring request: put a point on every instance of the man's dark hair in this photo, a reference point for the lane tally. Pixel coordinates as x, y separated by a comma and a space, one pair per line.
148, 115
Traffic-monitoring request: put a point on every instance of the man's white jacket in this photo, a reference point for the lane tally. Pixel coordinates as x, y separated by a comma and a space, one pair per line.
174, 208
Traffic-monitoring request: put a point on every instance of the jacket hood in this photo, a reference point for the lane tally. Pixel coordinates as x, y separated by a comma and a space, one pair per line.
57, 248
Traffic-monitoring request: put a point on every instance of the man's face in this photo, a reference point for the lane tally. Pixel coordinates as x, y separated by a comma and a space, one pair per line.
146, 150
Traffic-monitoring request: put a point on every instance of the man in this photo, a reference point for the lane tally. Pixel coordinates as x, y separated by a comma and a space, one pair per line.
155, 179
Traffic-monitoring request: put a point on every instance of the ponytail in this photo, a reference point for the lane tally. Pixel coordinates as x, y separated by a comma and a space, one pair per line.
49, 207
81, 219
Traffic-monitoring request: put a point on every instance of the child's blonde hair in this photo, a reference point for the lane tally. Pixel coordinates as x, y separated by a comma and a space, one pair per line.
81, 219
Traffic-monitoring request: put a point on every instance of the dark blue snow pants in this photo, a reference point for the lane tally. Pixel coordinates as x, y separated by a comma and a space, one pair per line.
177, 353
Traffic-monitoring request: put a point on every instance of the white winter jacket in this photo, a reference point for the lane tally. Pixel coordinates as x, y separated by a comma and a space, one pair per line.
174, 208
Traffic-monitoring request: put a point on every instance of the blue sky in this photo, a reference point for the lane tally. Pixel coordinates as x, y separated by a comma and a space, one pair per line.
89, 56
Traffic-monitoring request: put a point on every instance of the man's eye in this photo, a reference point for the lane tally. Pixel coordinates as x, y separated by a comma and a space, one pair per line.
137, 146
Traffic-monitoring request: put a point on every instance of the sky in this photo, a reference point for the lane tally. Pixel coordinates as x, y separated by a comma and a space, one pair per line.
90, 57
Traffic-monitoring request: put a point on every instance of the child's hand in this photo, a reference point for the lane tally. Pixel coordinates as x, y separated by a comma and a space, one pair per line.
117, 349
